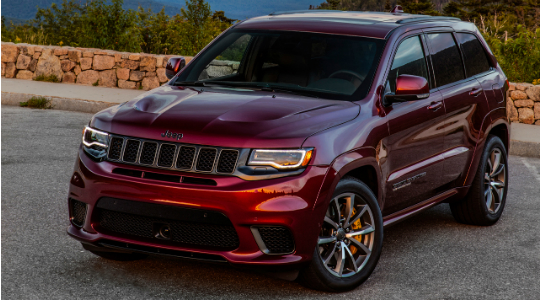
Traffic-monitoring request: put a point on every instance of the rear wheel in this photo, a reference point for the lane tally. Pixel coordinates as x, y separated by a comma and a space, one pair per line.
350, 240
485, 201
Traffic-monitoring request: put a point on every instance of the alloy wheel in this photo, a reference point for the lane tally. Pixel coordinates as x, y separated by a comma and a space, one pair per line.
494, 181
346, 238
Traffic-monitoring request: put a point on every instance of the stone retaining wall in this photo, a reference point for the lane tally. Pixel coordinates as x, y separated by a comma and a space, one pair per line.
85, 66
523, 103
147, 71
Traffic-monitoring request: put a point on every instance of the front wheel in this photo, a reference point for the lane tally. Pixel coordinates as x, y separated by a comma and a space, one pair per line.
350, 240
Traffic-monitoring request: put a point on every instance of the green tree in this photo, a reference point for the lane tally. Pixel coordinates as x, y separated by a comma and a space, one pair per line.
424, 7
110, 27
200, 26
62, 25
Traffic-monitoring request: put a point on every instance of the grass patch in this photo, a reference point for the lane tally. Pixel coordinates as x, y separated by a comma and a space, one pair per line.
49, 78
96, 83
37, 102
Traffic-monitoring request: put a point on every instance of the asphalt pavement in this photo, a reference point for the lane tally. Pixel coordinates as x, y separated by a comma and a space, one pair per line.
428, 256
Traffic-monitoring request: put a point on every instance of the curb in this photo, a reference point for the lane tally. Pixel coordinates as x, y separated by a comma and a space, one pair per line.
521, 148
70, 104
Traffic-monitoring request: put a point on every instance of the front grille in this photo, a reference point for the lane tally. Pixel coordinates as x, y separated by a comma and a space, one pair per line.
148, 153
185, 158
78, 212
172, 156
227, 161
182, 232
131, 151
116, 148
277, 239
206, 159
166, 155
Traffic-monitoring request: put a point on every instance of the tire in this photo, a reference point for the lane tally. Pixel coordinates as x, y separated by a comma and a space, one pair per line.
118, 256
365, 226
477, 208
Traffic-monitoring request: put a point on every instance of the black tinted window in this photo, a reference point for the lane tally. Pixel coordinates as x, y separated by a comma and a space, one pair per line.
321, 65
476, 61
409, 60
446, 58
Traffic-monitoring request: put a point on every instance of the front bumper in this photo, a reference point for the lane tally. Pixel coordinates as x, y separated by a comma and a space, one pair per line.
287, 202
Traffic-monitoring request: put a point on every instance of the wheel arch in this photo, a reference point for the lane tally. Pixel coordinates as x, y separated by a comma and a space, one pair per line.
360, 164
501, 130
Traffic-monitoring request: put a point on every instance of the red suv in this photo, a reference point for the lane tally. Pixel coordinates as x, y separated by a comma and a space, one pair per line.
293, 139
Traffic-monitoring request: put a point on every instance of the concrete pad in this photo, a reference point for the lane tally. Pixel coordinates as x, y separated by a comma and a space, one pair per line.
524, 140
61, 103
65, 90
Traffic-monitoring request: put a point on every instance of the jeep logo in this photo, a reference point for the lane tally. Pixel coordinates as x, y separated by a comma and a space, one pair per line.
169, 134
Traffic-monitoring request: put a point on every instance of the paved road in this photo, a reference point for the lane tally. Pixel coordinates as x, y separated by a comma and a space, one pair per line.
426, 257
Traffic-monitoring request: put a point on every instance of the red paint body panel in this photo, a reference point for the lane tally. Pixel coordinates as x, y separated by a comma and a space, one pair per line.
397, 142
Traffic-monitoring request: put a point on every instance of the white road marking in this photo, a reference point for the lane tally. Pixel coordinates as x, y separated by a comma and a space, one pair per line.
531, 168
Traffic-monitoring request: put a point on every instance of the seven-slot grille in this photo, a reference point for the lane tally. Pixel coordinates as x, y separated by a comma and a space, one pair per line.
182, 157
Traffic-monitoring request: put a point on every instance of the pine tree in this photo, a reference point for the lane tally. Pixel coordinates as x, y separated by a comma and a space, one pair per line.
424, 7
387, 6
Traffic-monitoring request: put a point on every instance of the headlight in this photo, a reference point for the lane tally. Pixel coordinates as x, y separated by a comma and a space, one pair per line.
95, 142
280, 159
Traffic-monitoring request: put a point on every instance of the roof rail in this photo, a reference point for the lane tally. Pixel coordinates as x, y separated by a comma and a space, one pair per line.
426, 19
289, 12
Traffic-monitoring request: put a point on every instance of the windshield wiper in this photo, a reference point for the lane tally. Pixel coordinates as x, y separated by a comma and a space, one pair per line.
265, 87
295, 91
190, 83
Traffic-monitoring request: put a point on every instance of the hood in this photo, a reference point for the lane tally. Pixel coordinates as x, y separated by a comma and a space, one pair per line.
225, 117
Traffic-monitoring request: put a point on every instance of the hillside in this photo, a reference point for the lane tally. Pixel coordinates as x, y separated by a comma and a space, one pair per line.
26, 9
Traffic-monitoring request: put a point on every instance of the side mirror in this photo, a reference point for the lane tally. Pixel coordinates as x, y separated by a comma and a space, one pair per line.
174, 65
408, 88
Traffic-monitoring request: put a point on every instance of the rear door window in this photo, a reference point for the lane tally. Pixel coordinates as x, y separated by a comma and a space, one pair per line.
446, 58
476, 60
409, 60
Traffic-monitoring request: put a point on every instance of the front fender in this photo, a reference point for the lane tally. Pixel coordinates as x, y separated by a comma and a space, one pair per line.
343, 164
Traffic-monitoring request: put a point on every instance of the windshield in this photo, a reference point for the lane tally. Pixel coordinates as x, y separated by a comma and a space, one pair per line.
320, 65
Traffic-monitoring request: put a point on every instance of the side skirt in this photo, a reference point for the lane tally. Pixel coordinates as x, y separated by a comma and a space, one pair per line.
410, 211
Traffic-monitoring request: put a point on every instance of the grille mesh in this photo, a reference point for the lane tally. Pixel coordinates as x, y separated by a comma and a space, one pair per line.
277, 239
185, 157
205, 161
148, 153
227, 161
132, 148
197, 234
116, 148
166, 155
78, 212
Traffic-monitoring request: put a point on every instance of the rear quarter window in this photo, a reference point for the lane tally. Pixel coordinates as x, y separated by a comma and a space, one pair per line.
446, 58
476, 60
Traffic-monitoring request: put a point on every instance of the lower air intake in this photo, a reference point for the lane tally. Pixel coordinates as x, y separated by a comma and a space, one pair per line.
186, 227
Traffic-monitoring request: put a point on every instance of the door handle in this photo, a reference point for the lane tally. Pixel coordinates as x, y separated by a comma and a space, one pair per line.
435, 106
475, 92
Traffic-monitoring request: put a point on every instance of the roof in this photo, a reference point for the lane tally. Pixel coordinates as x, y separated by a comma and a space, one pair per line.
369, 24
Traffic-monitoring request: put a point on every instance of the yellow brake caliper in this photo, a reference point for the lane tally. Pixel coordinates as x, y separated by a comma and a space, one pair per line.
356, 226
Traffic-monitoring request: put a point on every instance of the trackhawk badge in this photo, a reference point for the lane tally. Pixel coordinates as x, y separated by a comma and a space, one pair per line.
408, 181
174, 135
